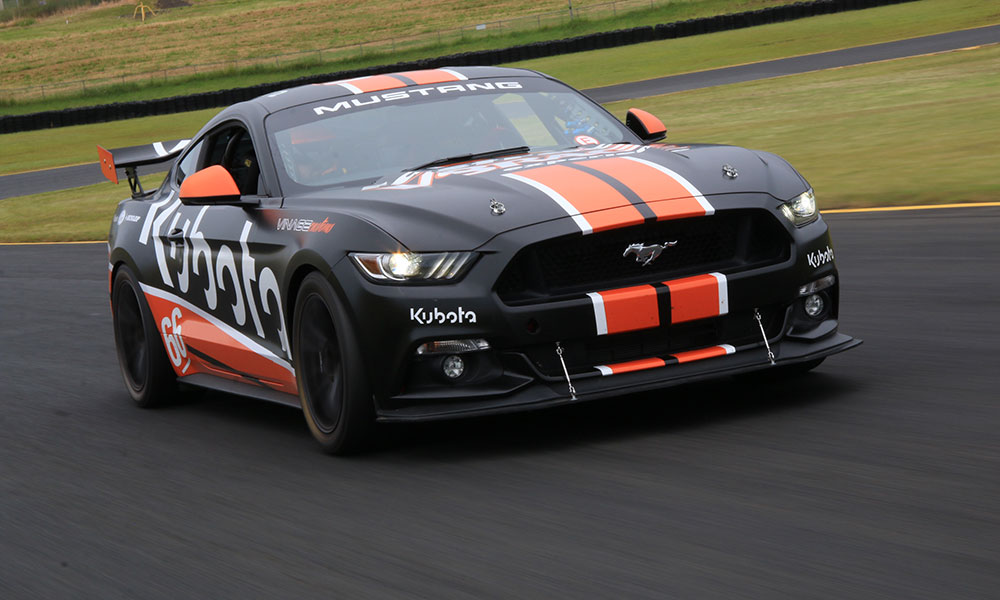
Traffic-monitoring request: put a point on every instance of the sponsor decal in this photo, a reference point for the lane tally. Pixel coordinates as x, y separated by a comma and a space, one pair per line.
438, 90
123, 216
819, 258
218, 269
458, 316
586, 140
170, 328
304, 225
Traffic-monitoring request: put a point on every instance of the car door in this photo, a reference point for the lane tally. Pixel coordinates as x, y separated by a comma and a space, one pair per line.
229, 321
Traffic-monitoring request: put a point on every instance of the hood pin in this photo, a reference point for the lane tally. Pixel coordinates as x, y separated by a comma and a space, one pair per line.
730, 171
497, 207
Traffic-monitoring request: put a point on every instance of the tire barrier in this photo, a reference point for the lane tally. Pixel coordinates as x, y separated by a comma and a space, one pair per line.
595, 41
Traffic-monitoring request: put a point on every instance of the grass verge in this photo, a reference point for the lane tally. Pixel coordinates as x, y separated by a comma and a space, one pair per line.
217, 45
73, 145
766, 42
910, 131
904, 132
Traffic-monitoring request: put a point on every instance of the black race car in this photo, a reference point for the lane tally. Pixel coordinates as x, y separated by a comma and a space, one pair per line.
453, 242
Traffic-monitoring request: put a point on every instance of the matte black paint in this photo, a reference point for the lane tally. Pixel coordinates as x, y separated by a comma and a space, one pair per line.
453, 214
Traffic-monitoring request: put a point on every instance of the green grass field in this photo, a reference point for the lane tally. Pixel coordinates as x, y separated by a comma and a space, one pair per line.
74, 145
766, 42
918, 130
132, 60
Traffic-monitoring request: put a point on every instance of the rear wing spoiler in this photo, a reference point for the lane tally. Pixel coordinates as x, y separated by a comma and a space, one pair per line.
137, 156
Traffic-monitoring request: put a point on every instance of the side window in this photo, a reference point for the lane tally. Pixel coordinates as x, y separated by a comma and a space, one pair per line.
189, 164
233, 149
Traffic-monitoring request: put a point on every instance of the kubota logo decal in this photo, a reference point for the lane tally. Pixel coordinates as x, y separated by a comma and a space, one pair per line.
820, 257
426, 317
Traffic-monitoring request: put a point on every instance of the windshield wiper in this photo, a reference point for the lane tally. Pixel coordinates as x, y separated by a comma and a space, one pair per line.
472, 156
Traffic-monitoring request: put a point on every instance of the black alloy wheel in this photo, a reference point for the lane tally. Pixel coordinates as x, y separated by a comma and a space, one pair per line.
145, 368
334, 394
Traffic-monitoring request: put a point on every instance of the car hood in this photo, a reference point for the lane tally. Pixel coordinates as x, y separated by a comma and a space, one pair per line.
461, 207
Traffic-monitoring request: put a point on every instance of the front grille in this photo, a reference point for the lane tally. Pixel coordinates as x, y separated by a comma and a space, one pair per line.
728, 242
737, 329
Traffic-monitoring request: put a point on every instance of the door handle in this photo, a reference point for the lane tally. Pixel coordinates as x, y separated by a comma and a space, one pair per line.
175, 235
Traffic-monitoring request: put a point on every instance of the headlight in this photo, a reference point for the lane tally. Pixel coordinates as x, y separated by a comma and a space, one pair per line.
414, 267
802, 209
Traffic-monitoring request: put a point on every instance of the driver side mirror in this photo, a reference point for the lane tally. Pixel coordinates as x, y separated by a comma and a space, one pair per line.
212, 185
645, 125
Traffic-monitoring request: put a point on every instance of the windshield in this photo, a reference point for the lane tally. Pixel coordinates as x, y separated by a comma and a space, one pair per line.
368, 137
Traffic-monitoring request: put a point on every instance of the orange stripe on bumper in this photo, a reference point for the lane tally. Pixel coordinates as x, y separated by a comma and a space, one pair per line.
698, 297
633, 365
665, 195
626, 309
703, 353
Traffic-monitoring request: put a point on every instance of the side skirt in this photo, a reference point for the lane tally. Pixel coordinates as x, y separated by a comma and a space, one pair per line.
239, 388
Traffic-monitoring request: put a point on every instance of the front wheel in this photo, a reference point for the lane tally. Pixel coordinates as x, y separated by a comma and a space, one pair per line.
332, 387
148, 376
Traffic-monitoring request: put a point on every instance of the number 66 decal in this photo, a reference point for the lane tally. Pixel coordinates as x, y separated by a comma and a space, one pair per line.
173, 340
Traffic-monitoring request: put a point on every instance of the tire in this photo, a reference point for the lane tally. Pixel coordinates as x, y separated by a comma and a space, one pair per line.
333, 390
146, 370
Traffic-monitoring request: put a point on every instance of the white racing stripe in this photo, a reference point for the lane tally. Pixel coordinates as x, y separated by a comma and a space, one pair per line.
600, 316
455, 73
351, 88
723, 293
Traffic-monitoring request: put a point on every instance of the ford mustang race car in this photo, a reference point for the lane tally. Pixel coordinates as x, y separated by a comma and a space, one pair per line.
455, 242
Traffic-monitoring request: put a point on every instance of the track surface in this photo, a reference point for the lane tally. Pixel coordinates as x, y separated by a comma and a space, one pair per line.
50, 180
876, 476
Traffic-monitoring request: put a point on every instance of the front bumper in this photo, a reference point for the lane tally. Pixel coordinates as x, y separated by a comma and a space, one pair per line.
520, 371
531, 394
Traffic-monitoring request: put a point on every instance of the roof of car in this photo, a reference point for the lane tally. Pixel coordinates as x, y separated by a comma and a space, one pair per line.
305, 94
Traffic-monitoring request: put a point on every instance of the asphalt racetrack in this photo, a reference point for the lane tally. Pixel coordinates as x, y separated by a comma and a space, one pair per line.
62, 178
876, 476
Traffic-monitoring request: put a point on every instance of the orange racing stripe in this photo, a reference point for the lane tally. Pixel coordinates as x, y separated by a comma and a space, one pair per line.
373, 83
667, 194
197, 332
625, 309
703, 353
698, 297
600, 205
633, 365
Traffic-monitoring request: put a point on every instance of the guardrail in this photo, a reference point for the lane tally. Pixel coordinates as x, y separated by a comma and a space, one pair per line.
608, 39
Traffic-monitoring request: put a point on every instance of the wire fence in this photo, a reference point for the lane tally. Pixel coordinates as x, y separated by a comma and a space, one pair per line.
383, 46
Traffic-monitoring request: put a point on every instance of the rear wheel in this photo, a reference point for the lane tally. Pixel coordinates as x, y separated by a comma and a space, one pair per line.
332, 387
148, 376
